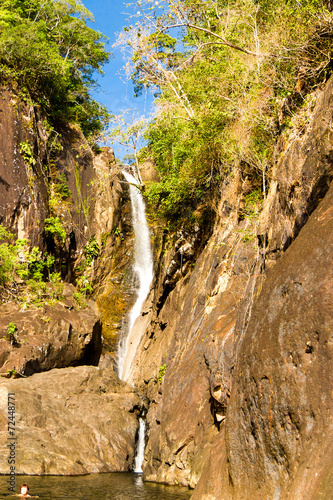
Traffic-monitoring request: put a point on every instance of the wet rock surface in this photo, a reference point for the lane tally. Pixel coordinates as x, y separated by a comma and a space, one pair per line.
97, 206
70, 421
114, 276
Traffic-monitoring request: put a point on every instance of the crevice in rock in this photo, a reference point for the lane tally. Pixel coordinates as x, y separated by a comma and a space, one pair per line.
166, 290
187, 249
186, 443
218, 411
31, 367
318, 193
93, 350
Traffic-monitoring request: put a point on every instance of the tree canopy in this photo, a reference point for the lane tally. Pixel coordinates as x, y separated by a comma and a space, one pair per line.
47, 46
221, 70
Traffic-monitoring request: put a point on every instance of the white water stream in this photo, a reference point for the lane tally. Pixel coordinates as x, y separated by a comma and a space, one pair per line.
140, 446
143, 269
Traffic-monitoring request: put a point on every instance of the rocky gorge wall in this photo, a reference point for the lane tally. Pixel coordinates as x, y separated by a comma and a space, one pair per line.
235, 337
235, 334
51, 342
96, 206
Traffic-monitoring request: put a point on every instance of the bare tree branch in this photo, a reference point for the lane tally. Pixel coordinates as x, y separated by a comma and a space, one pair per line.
205, 30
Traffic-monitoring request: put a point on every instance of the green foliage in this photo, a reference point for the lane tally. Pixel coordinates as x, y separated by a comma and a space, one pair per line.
12, 372
54, 228
161, 372
50, 50
27, 153
49, 261
5, 234
248, 235
80, 299
59, 191
221, 71
57, 289
253, 205
25, 270
84, 284
11, 266
11, 329
91, 250
85, 272
61, 187
173, 196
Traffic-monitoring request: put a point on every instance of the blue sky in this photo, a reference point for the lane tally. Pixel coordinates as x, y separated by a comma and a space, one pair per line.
110, 17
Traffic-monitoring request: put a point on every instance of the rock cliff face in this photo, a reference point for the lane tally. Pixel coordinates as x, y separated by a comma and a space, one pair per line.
23, 191
233, 363
278, 428
71, 420
32, 160
235, 345
50, 337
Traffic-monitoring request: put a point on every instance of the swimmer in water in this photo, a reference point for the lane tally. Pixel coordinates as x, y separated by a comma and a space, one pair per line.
25, 492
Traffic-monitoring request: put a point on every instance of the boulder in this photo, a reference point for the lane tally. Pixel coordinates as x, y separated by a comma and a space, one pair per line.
69, 421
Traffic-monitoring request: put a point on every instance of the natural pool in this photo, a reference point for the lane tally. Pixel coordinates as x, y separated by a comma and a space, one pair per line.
115, 486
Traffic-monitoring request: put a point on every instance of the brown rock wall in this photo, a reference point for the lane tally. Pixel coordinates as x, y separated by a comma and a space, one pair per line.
49, 337
204, 329
279, 417
301, 176
23, 193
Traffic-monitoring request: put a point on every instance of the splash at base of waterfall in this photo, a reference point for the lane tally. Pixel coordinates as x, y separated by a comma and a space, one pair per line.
143, 269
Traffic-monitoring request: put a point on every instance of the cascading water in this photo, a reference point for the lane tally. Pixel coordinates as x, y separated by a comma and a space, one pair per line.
140, 445
143, 268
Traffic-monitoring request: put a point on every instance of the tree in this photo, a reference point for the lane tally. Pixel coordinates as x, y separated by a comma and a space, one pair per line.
160, 50
127, 130
49, 49
220, 70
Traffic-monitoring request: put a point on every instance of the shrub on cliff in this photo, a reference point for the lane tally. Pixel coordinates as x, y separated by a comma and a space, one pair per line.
47, 47
25, 273
9, 262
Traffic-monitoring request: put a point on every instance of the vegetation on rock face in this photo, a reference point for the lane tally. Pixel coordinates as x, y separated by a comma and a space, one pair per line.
161, 372
222, 72
47, 47
54, 228
26, 274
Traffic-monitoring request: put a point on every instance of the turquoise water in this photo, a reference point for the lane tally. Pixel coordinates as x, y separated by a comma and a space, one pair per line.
115, 486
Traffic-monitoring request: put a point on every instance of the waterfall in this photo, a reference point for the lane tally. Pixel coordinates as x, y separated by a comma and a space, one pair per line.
140, 445
143, 269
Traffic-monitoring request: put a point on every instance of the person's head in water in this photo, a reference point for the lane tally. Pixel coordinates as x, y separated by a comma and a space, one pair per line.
24, 489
